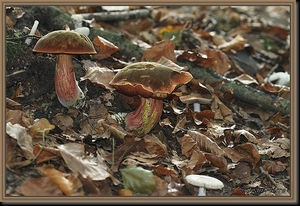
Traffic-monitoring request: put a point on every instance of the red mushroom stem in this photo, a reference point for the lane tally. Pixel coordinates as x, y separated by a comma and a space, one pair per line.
67, 89
146, 116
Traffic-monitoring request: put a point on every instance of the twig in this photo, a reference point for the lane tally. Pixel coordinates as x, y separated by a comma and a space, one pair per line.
267, 175
23, 37
117, 15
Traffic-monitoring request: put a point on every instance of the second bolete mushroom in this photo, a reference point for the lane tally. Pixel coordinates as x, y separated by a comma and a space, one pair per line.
153, 82
64, 44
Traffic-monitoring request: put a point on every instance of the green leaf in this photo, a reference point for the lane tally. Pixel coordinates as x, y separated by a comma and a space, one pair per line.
138, 179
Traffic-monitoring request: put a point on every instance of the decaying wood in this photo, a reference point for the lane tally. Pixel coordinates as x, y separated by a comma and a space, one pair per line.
128, 49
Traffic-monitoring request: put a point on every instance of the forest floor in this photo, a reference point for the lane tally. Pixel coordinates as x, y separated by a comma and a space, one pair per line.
86, 152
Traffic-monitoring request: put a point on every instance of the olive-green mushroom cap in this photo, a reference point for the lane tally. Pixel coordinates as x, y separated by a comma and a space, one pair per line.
64, 42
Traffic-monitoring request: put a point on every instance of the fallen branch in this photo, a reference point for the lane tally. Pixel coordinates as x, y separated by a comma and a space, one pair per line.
117, 15
128, 49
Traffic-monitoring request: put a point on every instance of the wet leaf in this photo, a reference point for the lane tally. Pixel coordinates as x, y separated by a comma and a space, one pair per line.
138, 179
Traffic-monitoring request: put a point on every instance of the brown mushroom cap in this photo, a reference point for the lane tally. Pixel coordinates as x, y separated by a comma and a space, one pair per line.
149, 80
64, 42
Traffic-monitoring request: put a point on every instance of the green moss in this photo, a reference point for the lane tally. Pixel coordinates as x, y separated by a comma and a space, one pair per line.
14, 50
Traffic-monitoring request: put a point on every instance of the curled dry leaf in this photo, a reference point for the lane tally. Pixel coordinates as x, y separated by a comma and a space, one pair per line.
245, 79
24, 140
250, 153
197, 159
160, 49
40, 127
250, 137
104, 48
100, 76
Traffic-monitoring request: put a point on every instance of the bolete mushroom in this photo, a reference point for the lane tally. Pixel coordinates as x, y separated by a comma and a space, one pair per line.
204, 182
64, 44
153, 82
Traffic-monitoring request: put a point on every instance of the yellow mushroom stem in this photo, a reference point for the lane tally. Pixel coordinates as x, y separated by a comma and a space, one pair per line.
145, 117
67, 90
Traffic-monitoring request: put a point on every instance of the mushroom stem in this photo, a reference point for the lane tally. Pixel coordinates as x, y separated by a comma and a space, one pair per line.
66, 87
202, 191
146, 116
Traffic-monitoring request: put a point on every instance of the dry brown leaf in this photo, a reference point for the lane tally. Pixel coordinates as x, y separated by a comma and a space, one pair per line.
154, 146
141, 158
24, 140
273, 167
44, 154
160, 170
161, 187
8, 22
63, 121
245, 79
74, 156
180, 125
40, 128
104, 48
39, 187
222, 62
204, 142
242, 170
58, 177
216, 160
18, 117
237, 44
196, 160
250, 153
160, 49
250, 137
100, 76
89, 186
18, 92
232, 154
221, 110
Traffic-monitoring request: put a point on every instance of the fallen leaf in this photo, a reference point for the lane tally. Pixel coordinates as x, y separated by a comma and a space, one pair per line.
58, 177
160, 49
78, 162
138, 179
39, 187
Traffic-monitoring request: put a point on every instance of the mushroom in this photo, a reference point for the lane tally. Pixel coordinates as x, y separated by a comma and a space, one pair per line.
66, 43
153, 82
204, 182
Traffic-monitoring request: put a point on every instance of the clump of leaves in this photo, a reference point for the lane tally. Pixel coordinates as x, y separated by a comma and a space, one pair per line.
138, 179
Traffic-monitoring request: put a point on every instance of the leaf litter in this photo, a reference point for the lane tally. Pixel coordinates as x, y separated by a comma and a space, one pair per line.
88, 152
